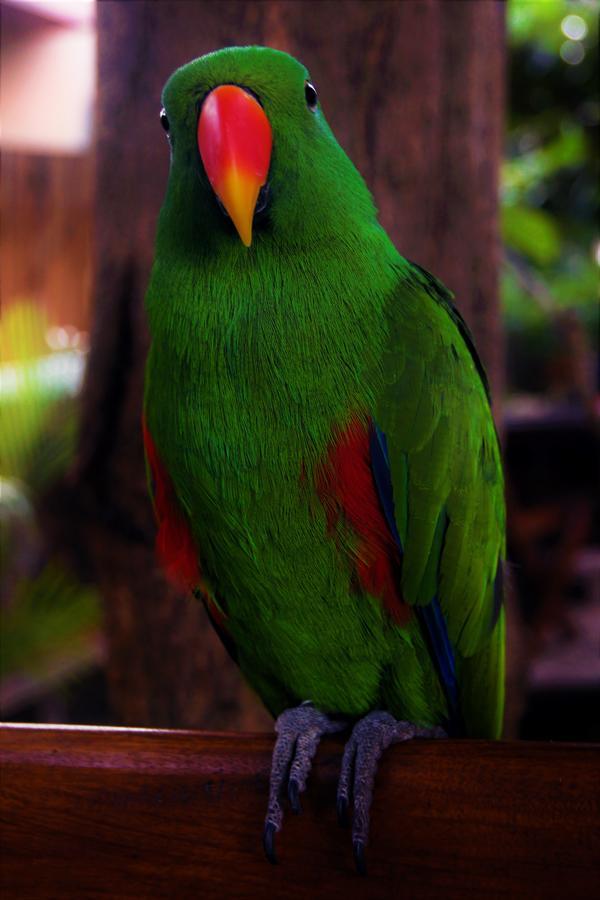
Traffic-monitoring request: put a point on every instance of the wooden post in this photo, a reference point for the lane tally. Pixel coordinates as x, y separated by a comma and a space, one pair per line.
156, 814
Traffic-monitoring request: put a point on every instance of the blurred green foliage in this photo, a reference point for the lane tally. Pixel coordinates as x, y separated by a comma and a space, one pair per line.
550, 187
48, 624
48, 621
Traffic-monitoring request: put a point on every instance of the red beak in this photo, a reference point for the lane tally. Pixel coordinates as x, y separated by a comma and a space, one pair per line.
234, 139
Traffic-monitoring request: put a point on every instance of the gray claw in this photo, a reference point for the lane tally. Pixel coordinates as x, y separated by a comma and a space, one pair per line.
294, 796
269, 843
359, 857
342, 811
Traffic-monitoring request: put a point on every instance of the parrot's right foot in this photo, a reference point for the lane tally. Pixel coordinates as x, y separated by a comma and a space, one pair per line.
299, 731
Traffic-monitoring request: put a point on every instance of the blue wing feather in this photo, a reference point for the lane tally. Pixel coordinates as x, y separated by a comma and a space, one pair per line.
380, 465
431, 618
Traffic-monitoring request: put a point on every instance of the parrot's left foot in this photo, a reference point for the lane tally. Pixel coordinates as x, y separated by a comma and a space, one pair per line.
369, 738
299, 731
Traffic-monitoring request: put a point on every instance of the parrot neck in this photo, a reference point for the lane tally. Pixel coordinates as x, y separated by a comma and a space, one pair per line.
269, 313
267, 347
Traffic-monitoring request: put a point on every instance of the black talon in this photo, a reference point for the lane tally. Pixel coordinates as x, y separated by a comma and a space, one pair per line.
342, 811
359, 857
269, 843
293, 794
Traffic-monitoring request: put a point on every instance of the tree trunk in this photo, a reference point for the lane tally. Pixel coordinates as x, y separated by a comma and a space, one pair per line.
414, 93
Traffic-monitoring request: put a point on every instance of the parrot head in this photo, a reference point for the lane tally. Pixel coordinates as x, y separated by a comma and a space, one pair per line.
252, 156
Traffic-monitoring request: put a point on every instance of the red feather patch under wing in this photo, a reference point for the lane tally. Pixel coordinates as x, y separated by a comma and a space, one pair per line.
346, 487
175, 548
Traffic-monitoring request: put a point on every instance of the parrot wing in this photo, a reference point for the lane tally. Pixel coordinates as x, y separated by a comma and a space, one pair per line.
436, 465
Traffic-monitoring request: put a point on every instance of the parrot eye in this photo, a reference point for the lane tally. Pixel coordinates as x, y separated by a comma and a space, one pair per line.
311, 95
163, 120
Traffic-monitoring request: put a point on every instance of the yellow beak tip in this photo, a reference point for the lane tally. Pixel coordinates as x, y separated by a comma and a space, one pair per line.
244, 230
238, 195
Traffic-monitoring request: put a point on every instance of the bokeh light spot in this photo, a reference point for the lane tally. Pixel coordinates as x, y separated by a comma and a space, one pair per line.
574, 27
572, 52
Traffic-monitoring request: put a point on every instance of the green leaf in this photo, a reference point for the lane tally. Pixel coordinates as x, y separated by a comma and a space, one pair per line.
532, 232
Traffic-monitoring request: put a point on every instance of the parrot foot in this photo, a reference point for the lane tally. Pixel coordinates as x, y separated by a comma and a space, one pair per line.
299, 731
370, 737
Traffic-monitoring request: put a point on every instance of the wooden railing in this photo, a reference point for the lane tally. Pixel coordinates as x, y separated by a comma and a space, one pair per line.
134, 813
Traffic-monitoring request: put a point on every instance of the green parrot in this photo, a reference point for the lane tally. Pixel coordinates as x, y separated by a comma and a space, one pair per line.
323, 461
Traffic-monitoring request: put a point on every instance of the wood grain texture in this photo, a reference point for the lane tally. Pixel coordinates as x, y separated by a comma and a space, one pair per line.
160, 814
